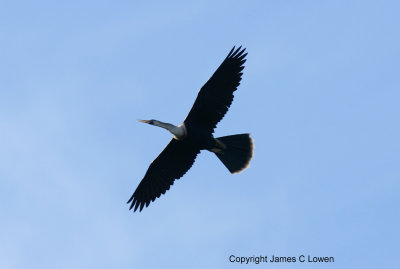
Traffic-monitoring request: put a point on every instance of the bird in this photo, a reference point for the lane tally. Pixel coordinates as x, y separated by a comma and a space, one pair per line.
196, 134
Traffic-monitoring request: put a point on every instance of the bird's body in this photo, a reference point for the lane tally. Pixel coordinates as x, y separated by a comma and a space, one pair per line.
196, 134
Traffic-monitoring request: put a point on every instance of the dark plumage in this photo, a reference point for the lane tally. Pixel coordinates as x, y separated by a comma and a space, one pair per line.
195, 134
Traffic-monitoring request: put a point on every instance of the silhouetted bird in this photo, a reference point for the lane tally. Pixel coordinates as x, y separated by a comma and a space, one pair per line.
196, 133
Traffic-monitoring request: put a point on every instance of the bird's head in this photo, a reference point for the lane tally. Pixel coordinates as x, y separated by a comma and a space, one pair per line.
151, 122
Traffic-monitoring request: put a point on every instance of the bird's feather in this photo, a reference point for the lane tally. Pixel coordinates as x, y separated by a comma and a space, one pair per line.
172, 163
216, 96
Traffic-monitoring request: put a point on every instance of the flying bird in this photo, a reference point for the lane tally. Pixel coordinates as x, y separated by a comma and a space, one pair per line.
196, 134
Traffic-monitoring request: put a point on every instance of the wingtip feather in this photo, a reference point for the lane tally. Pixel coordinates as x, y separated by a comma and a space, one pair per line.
237, 53
229, 54
136, 206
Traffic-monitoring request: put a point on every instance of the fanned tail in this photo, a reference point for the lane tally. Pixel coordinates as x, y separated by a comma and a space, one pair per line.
235, 152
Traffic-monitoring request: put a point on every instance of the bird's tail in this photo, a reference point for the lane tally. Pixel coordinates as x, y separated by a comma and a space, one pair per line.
234, 151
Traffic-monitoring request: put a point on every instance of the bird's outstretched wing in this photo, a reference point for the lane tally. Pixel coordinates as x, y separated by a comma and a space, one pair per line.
172, 163
216, 96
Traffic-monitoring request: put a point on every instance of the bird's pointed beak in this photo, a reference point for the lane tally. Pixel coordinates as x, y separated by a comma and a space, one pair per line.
144, 121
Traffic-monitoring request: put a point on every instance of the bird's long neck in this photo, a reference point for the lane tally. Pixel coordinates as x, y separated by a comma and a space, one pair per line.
179, 131
167, 126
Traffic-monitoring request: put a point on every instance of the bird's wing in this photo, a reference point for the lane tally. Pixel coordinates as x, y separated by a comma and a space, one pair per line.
216, 96
172, 163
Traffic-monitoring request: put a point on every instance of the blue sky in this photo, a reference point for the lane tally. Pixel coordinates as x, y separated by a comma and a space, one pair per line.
320, 96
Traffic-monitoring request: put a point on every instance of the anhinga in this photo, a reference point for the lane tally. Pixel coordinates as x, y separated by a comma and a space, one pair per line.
196, 133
